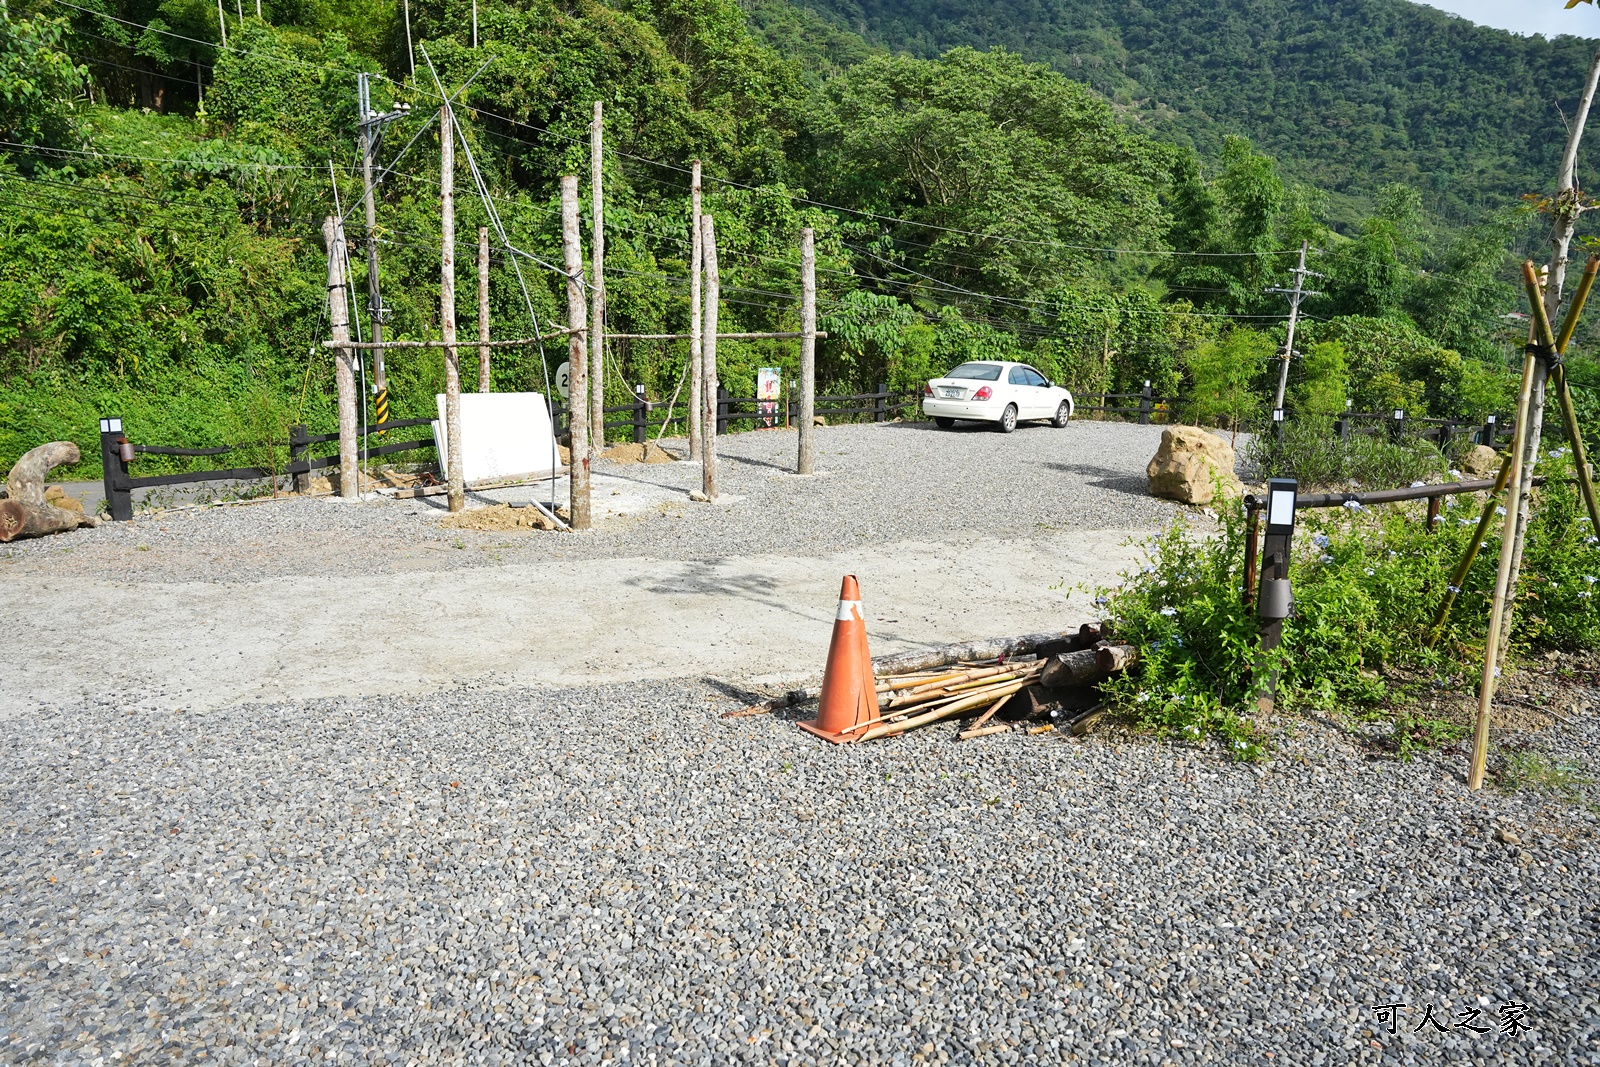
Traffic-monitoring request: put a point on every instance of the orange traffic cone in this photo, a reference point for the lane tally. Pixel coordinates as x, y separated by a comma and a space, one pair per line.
849, 693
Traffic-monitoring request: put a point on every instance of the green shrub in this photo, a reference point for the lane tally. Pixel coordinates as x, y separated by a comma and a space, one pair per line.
1313, 454
1368, 582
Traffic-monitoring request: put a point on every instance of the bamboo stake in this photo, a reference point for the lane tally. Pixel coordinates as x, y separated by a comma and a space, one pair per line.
1480, 735
967, 703
1580, 459
977, 727
1471, 555
983, 731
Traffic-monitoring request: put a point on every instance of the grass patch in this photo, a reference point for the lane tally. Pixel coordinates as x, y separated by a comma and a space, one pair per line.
1529, 769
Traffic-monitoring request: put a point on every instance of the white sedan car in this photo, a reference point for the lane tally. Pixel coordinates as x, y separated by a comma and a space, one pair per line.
1001, 393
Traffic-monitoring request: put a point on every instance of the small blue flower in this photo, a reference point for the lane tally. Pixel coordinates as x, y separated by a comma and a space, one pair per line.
1591, 540
1353, 505
1320, 540
1169, 611
1418, 485
1370, 570
1453, 588
1455, 473
1465, 522
1499, 510
1591, 579
1324, 559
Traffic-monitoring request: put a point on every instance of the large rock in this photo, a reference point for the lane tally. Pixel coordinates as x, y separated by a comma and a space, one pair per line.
1191, 466
1481, 461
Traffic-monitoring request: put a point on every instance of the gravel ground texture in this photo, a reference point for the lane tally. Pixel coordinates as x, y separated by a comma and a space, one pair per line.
875, 483
616, 876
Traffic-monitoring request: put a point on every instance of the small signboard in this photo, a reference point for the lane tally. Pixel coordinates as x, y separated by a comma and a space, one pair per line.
564, 380
769, 385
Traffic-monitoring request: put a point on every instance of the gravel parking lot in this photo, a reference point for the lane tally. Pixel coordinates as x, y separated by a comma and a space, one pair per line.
345, 863
614, 875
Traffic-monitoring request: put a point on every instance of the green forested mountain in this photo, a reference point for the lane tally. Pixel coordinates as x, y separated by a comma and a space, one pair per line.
161, 254
1346, 94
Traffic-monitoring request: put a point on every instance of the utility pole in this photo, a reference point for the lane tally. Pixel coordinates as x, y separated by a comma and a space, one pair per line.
483, 309
222, 21
578, 374
411, 55
371, 124
597, 287
474, 23
447, 308
696, 362
708, 425
1297, 294
343, 358
808, 351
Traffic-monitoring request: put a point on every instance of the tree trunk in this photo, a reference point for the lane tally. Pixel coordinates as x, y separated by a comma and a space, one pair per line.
25, 512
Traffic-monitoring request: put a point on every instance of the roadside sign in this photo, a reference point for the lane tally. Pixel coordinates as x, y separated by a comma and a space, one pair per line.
564, 380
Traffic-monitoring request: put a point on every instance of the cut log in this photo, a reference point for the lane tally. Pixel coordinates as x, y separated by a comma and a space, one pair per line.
26, 512
926, 658
1087, 666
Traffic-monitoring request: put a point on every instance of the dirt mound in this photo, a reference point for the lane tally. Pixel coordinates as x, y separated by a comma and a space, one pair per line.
649, 452
498, 518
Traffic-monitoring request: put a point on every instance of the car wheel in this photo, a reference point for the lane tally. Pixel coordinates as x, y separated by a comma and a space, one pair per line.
1008, 419
1063, 414
943, 422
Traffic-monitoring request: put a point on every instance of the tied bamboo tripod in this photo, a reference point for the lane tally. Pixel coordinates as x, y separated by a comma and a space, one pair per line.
1547, 349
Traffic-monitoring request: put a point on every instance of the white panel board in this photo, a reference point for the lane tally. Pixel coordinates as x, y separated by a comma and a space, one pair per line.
503, 435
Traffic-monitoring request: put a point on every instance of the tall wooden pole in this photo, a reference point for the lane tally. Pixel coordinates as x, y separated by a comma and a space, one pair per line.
597, 287
696, 359
708, 424
483, 309
808, 351
1565, 209
343, 358
578, 380
447, 308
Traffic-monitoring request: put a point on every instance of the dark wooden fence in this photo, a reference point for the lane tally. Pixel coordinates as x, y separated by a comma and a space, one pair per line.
117, 453
1145, 407
645, 417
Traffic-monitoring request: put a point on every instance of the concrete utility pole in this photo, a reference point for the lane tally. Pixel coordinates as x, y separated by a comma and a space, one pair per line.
474, 23
483, 309
411, 55
808, 351
447, 307
696, 359
1297, 294
708, 428
222, 21
343, 357
597, 287
374, 300
578, 374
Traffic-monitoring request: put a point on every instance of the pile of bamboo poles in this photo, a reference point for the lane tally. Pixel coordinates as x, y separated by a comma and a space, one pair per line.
908, 701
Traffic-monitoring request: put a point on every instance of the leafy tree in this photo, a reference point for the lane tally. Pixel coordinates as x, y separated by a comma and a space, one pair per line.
1324, 383
39, 83
1223, 375
1373, 274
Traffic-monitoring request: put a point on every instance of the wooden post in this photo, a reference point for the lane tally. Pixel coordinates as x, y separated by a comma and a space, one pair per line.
114, 469
641, 411
343, 358
483, 309
597, 289
299, 452
708, 337
1252, 542
578, 380
447, 308
808, 352
1144, 404
696, 358
1580, 458
1433, 513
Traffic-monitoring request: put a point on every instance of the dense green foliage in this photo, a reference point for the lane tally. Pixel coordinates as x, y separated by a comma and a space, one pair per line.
163, 260
1348, 94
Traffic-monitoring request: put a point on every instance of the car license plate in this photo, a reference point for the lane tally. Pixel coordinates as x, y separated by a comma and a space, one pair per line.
950, 393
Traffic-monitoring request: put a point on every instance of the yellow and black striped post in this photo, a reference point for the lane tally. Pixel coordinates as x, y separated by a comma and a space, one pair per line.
380, 405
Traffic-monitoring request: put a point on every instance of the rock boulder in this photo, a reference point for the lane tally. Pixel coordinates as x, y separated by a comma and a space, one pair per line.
1481, 462
1191, 465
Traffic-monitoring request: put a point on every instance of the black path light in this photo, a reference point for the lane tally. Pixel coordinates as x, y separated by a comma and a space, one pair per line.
1275, 601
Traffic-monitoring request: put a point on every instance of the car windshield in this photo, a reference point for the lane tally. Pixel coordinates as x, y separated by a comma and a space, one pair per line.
979, 372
